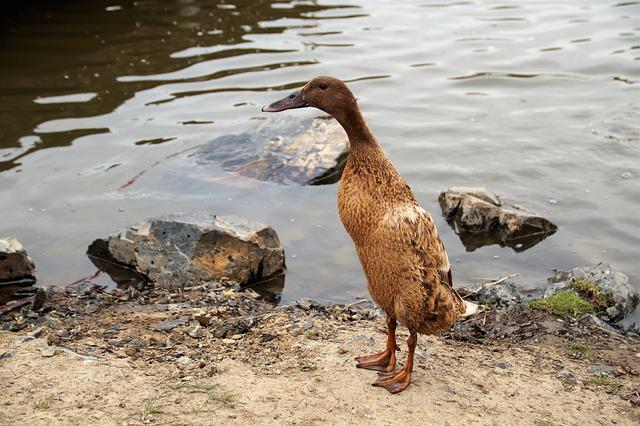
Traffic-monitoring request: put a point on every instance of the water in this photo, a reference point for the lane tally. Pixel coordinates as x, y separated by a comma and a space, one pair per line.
539, 101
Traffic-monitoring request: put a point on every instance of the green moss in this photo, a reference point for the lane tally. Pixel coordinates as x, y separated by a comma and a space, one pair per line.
592, 292
565, 302
579, 347
603, 380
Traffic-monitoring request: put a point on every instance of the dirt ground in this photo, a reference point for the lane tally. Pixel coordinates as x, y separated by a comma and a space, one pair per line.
205, 359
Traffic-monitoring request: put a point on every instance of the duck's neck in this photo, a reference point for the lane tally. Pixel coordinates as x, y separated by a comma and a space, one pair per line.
357, 130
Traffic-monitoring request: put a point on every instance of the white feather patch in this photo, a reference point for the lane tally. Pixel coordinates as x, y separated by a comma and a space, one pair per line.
397, 215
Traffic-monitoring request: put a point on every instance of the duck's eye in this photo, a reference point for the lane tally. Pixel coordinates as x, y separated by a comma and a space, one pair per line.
291, 96
322, 86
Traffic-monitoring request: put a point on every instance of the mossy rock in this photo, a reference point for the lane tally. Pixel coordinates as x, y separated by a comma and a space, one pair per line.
591, 291
563, 303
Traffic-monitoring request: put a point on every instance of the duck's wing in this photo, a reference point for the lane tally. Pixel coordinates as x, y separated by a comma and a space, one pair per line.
414, 229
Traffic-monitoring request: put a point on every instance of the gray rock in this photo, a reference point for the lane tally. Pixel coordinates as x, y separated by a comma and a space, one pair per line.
632, 321
505, 365
307, 304
625, 297
482, 218
502, 294
282, 150
594, 320
199, 247
602, 369
168, 325
15, 264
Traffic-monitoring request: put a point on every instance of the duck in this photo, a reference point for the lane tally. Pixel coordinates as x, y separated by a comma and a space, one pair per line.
403, 258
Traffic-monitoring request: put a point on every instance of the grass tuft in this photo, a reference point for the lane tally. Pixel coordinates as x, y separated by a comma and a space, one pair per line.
605, 381
151, 407
42, 404
580, 347
592, 292
564, 303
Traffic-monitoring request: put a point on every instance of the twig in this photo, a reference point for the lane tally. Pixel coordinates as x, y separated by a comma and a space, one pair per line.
357, 302
87, 278
498, 281
15, 304
143, 171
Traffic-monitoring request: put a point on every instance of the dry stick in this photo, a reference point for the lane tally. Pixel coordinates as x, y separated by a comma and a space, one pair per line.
143, 171
498, 281
87, 278
15, 304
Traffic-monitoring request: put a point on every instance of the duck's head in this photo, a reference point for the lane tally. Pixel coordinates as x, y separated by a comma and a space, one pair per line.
326, 93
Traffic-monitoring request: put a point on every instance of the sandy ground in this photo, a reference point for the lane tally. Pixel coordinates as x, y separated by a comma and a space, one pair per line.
297, 368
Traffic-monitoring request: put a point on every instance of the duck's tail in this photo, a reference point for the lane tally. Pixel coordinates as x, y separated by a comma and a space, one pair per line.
470, 308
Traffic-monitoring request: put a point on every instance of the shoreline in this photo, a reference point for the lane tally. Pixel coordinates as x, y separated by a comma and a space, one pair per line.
211, 354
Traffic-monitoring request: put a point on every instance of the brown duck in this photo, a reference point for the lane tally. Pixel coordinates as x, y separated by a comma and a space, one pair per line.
406, 265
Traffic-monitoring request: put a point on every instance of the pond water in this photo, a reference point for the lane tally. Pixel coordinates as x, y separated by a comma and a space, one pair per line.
538, 101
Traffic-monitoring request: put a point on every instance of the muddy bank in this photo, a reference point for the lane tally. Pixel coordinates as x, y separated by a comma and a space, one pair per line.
212, 354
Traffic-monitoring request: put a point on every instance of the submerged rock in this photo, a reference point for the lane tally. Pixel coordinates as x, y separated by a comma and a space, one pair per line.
282, 150
15, 263
174, 250
612, 283
481, 218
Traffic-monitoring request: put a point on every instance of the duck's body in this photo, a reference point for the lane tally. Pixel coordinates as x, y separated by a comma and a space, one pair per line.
407, 270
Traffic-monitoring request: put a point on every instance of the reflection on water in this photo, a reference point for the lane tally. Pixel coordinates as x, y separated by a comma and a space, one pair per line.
536, 101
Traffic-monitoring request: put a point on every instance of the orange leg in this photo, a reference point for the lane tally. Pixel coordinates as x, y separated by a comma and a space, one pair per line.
384, 361
398, 381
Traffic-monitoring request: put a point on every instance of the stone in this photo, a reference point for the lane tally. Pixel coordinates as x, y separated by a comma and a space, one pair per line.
631, 322
602, 369
505, 293
609, 280
594, 320
193, 248
505, 365
481, 218
308, 304
15, 263
168, 325
283, 150
184, 360
48, 352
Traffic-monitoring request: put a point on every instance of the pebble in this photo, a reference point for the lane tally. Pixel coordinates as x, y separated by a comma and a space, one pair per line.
308, 325
237, 337
184, 360
504, 365
49, 351
228, 341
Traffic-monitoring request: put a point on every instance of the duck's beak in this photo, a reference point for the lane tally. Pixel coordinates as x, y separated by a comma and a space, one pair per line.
292, 101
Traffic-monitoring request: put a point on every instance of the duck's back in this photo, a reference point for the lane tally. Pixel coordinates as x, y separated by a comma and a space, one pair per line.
407, 269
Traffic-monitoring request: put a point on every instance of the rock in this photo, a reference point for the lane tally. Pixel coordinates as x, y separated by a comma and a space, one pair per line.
195, 248
308, 304
505, 365
49, 351
602, 369
594, 320
15, 264
631, 322
267, 337
184, 360
282, 150
567, 377
168, 325
609, 280
502, 294
481, 218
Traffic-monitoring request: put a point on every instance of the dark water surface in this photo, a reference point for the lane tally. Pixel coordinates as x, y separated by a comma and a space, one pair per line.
539, 101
